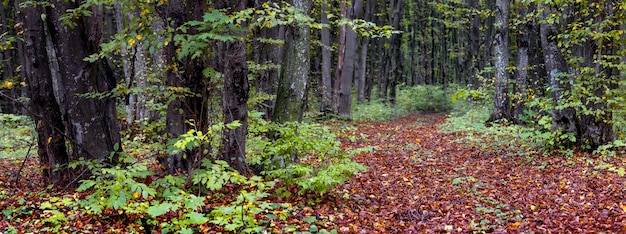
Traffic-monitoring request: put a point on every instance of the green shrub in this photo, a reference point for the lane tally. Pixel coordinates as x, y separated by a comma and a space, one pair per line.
305, 154
423, 98
375, 111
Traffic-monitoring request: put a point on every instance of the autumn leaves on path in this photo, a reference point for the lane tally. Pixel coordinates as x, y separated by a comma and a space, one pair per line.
420, 179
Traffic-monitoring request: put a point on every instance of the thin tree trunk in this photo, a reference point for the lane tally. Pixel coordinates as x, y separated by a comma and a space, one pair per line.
522, 68
349, 60
327, 87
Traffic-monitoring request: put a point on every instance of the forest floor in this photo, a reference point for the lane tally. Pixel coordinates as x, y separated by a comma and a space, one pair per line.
420, 179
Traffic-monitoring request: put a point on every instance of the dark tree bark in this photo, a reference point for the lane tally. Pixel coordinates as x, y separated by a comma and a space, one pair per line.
90, 123
556, 67
232, 57
57, 76
596, 128
271, 55
395, 54
474, 45
361, 79
523, 42
327, 86
292, 85
184, 73
44, 108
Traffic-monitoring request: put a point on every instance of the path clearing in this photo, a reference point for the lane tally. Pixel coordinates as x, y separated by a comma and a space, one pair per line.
422, 180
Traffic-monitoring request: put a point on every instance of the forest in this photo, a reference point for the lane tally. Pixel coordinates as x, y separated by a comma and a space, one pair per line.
308, 116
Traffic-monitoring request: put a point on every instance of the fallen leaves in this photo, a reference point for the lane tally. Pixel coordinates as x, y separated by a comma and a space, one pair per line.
419, 180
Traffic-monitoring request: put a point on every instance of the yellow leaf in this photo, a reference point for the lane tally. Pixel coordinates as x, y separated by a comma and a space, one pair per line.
136, 195
533, 207
131, 42
8, 84
49, 140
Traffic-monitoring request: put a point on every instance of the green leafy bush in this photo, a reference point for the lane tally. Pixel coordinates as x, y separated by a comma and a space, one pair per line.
375, 110
305, 154
409, 99
423, 98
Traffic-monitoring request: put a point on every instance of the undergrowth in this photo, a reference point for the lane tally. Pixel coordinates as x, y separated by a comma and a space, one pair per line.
409, 100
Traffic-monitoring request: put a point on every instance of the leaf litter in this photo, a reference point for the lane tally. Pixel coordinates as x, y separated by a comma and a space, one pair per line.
419, 180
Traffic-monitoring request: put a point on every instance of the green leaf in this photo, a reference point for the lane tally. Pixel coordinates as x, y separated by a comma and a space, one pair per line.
161, 209
196, 218
310, 219
194, 202
85, 184
233, 125
458, 180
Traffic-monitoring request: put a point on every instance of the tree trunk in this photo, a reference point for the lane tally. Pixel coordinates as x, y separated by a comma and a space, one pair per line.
474, 45
395, 54
596, 129
521, 83
327, 87
90, 123
232, 56
270, 55
556, 67
501, 57
292, 85
349, 60
44, 108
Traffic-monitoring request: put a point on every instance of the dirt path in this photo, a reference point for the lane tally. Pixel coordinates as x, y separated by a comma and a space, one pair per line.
422, 180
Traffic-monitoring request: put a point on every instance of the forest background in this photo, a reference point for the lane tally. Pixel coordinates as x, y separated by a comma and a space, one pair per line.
155, 110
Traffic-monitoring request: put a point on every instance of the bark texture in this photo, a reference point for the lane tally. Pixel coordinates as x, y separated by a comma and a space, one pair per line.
292, 85
232, 56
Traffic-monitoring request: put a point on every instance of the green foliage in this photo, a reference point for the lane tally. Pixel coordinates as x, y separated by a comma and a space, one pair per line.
409, 99
375, 110
16, 135
423, 98
114, 187
305, 154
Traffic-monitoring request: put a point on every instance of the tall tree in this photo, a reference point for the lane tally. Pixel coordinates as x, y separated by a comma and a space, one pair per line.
348, 51
294, 75
327, 87
501, 57
88, 124
563, 119
45, 111
523, 44
233, 60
